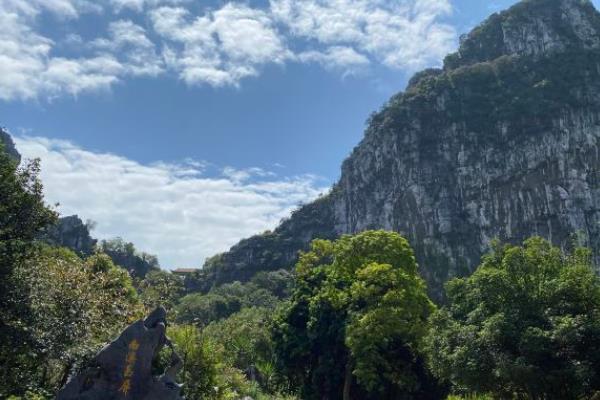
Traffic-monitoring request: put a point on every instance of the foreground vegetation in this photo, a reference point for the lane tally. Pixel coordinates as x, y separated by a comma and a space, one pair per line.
352, 321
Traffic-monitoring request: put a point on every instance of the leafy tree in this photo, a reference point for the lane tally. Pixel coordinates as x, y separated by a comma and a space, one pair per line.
76, 306
221, 302
114, 301
279, 283
354, 323
247, 344
248, 294
526, 324
202, 309
161, 288
208, 372
200, 362
23, 215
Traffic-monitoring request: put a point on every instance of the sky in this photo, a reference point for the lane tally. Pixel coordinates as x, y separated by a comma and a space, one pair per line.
184, 125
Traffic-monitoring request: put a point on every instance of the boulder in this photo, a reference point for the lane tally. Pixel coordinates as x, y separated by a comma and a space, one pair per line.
123, 369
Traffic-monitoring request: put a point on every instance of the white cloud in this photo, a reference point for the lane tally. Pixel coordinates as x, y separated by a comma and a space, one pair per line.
337, 58
130, 42
397, 33
173, 210
139, 5
27, 69
220, 47
65, 8
60, 8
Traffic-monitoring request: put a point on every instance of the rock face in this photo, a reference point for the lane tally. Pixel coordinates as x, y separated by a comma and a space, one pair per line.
503, 142
531, 28
72, 233
8, 145
122, 370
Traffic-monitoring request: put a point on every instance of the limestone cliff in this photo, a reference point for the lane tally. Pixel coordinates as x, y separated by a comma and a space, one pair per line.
504, 142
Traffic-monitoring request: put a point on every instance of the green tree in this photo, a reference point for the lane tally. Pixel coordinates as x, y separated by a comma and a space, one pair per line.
222, 302
279, 283
526, 323
161, 288
353, 326
202, 309
200, 362
76, 307
247, 345
23, 216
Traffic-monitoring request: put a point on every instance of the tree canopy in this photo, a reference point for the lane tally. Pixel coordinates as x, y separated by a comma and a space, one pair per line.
23, 215
354, 323
526, 323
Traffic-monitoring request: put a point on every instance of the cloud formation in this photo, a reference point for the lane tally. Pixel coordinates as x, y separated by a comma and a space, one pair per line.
140, 5
398, 34
218, 46
175, 211
30, 67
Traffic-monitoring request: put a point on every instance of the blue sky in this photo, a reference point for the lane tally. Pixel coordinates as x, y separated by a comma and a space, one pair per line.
186, 125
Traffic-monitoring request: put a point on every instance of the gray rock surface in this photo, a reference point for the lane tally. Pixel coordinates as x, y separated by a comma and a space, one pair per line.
122, 370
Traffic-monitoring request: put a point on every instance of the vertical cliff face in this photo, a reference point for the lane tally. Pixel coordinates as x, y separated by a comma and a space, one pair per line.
503, 142
451, 185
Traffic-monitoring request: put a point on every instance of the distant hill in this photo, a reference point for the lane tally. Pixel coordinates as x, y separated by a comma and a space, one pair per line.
503, 142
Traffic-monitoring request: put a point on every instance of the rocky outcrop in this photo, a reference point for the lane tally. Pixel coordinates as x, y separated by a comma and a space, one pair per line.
503, 142
123, 369
8, 145
530, 28
71, 232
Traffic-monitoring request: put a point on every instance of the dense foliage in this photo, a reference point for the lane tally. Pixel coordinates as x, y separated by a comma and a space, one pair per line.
526, 324
247, 345
161, 288
354, 324
264, 290
23, 215
76, 307
57, 309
